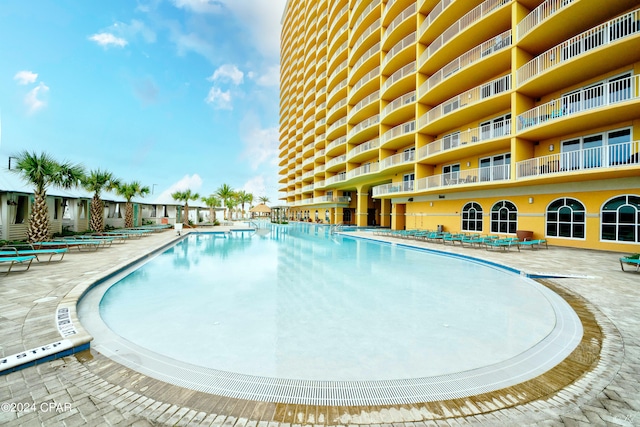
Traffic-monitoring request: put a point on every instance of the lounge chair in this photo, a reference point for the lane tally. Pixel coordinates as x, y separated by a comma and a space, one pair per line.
17, 260
630, 260
505, 244
29, 250
537, 243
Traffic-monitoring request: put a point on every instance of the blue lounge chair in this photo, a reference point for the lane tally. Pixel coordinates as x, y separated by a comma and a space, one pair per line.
630, 260
17, 260
29, 250
535, 243
505, 244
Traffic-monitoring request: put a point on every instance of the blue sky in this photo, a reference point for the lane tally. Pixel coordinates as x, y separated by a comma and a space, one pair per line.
176, 94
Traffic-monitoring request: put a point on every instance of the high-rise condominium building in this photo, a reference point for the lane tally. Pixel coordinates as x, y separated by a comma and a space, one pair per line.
488, 117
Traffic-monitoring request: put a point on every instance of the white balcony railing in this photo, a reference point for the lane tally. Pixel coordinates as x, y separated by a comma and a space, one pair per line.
340, 141
342, 176
405, 71
608, 156
403, 16
407, 42
373, 97
459, 178
405, 99
336, 125
470, 97
371, 121
363, 170
435, 12
373, 74
607, 33
403, 158
374, 50
374, 144
370, 30
500, 42
471, 136
337, 160
593, 97
397, 131
539, 14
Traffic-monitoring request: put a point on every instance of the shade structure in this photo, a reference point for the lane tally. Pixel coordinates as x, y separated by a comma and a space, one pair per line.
261, 208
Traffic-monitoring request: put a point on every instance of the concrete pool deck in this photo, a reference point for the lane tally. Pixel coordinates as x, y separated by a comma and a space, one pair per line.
88, 388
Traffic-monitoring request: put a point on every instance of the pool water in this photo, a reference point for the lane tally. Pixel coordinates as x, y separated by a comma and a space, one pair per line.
297, 302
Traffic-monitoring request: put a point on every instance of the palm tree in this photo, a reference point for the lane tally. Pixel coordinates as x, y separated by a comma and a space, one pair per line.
231, 204
264, 199
185, 196
42, 171
225, 192
244, 197
97, 181
129, 191
212, 202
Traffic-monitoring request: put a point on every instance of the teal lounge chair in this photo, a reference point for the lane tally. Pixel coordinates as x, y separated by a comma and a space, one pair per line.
533, 244
29, 250
505, 244
630, 260
17, 260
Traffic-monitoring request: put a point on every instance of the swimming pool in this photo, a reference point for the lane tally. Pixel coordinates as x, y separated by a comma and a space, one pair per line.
294, 313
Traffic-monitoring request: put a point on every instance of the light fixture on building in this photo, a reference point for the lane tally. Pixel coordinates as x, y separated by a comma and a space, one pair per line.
530, 200
431, 204
551, 147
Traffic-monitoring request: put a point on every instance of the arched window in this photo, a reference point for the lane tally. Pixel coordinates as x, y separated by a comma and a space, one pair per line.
504, 217
621, 219
566, 218
326, 215
346, 216
472, 217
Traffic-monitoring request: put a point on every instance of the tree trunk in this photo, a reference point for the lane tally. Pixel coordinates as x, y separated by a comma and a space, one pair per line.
185, 217
97, 214
128, 215
38, 230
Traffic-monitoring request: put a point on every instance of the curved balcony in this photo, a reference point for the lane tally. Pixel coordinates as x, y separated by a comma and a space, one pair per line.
398, 162
320, 142
401, 52
399, 136
307, 175
369, 59
587, 108
473, 67
319, 155
400, 108
364, 151
307, 188
402, 24
431, 27
540, 14
337, 163
366, 107
337, 93
616, 158
367, 84
472, 141
319, 171
370, 36
364, 170
577, 59
338, 109
337, 129
366, 129
494, 95
337, 58
336, 179
364, 19
401, 81
472, 26
337, 147
337, 75
307, 162
337, 15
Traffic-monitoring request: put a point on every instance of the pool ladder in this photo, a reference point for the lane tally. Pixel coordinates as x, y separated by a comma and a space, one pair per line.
335, 228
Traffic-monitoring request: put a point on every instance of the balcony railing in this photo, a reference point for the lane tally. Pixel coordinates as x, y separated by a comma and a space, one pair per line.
501, 41
407, 70
371, 121
406, 99
340, 141
608, 156
539, 14
406, 42
373, 97
474, 15
369, 145
609, 32
373, 27
598, 96
336, 160
403, 158
373, 74
375, 50
473, 96
403, 129
365, 12
404, 15
452, 179
363, 170
470, 136
337, 106
342, 176
435, 12
337, 124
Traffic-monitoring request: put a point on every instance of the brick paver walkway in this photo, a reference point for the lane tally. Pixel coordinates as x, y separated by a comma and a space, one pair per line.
89, 389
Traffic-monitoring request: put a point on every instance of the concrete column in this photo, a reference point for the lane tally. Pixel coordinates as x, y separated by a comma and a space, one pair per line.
397, 216
362, 207
385, 212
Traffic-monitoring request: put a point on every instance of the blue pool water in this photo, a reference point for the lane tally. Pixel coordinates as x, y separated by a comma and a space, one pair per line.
299, 303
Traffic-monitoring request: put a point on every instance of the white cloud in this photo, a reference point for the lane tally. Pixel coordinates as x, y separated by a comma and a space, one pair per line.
199, 6
25, 77
260, 144
227, 72
271, 77
188, 182
134, 29
219, 99
108, 39
34, 99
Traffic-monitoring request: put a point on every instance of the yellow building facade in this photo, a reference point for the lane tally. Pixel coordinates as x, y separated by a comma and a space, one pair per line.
476, 116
